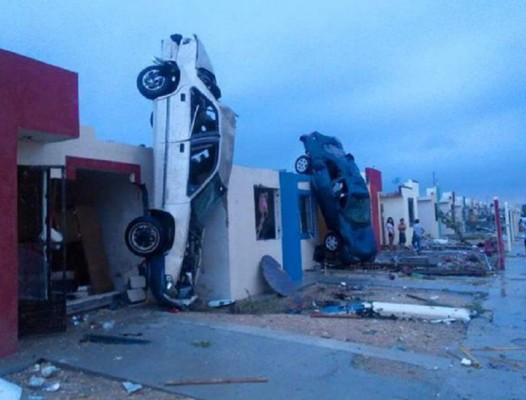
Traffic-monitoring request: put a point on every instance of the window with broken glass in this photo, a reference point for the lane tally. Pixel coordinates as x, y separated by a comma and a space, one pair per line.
307, 213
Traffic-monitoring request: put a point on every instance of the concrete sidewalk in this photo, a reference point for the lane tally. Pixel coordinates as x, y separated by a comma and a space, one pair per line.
503, 372
301, 366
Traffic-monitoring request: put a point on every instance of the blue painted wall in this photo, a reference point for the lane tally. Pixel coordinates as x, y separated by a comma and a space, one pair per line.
290, 222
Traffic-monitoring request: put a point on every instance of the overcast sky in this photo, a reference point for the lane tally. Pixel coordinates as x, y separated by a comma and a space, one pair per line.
411, 88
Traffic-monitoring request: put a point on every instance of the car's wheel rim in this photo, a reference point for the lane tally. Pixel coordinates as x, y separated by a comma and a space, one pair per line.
302, 165
144, 237
332, 243
153, 80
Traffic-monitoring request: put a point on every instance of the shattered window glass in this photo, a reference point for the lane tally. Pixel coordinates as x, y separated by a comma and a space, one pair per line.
204, 114
204, 142
358, 210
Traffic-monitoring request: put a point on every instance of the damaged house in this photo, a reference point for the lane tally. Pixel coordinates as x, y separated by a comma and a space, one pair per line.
67, 198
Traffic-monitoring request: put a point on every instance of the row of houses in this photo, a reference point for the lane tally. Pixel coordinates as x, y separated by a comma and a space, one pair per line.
60, 180
446, 214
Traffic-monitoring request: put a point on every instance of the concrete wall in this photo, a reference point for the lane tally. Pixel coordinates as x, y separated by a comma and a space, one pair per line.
214, 280
426, 212
231, 251
87, 147
244, 249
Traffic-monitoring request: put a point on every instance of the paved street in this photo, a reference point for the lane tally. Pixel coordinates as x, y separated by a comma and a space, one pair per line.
305, 367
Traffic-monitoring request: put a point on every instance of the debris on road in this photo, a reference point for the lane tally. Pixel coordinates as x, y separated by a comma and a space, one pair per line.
473, 360
201, 343
466, 362
131, 387
111, 339
220, 303
277, 278
48, 371
215, 381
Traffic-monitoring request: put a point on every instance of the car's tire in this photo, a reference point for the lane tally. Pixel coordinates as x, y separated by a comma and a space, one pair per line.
332, 242
303, 165
158, 80
145, 236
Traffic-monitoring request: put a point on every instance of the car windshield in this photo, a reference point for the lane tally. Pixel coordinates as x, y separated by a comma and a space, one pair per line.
357, 210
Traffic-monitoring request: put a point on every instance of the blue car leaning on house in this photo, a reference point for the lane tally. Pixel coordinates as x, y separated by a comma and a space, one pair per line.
342, 195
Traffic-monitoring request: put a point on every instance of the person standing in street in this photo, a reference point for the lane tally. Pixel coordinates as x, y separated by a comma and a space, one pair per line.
389, 226
418, 233
402, 239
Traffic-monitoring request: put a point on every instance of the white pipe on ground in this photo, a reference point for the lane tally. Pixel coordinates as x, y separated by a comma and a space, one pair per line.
418, 311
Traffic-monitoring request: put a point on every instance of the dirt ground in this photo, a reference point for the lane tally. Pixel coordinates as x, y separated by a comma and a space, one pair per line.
79, 385
298, 314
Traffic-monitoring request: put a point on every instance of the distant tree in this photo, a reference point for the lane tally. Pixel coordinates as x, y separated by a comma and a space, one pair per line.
456, 226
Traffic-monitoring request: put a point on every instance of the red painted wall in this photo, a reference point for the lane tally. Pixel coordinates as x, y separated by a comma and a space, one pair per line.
38, 97
374, 179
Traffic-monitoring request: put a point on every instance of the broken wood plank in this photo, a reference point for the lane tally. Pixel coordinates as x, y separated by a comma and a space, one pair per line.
414, 296
322, 315
474, 361
90, 302
504, 348
429, 302
215, 381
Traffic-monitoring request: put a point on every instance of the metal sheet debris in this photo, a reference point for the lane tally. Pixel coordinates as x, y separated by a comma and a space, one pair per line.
278, 279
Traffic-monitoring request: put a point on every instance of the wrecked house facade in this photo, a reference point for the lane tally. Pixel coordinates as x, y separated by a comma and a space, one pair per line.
57, 176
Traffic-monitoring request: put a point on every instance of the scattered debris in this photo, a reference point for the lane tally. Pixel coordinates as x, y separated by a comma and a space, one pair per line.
220, 303
48, 371
343, 316
108, 325
277, 277
137, 295
215, 381
201, 343
52, 387
131, 387
36, 382
473, 360
504, 348
111, 339
466, 362
446, 321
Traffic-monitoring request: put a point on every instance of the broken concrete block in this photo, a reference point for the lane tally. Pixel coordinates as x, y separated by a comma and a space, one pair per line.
137, 281
136, 295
